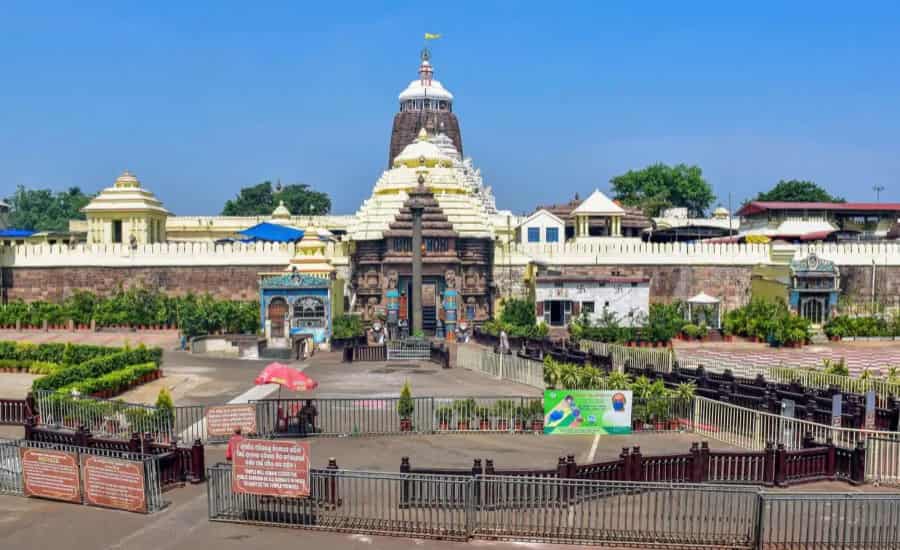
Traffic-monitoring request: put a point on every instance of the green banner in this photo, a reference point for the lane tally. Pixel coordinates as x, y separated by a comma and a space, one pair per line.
587, 412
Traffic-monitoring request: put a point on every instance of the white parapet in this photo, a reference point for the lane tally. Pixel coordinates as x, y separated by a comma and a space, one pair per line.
858, 254
635, 252
150, 255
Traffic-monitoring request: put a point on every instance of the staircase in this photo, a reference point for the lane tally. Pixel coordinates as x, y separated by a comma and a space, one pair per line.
818, 335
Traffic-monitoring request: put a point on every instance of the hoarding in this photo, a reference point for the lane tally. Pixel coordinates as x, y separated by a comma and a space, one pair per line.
223, 419
114, 483
51, 474
587, 412
273, 468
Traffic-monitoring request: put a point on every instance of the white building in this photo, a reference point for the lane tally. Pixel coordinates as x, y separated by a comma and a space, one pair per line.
561, 299
542, 227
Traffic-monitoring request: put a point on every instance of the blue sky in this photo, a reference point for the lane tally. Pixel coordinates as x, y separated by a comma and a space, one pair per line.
201, 99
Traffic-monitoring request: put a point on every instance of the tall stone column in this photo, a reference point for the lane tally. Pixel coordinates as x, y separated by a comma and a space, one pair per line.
417, 206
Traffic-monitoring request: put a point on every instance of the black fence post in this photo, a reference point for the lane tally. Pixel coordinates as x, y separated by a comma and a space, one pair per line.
404, 485
769, 464
859, 463
780, 464
637, 465
198, 462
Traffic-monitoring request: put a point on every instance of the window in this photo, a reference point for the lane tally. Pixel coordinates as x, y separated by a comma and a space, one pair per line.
534, 234
309, 312
552, 234
587, 307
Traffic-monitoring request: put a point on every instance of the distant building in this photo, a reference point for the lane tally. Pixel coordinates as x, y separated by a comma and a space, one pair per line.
675, 226
598, 216
818, 221
542, 227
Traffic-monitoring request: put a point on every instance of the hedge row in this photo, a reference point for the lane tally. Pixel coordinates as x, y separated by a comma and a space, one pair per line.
63, 354
98, 367
139, 307
31, 367
113, 382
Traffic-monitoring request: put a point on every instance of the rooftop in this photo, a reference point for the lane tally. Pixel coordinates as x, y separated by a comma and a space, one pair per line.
756, 207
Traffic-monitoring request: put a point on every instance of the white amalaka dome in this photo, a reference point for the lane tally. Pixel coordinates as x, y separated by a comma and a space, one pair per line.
422, 152
426, 87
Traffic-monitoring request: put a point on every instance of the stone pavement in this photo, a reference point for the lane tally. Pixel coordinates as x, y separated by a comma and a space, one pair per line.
166, 339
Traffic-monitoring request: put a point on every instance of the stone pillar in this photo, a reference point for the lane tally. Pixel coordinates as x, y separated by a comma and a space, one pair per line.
416, 206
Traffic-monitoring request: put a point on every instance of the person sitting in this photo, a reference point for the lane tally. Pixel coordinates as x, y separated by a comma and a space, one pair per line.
307, 416
232, 444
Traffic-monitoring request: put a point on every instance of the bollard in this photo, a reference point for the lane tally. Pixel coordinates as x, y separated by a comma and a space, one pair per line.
198, 462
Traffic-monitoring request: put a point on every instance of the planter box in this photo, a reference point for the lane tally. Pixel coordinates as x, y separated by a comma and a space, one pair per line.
462, 425
537, 426
503, 425
405, 425
484, 425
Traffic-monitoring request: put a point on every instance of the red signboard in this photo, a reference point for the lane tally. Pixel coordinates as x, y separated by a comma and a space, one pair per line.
273, 468
222, 420
114, 483
51, 474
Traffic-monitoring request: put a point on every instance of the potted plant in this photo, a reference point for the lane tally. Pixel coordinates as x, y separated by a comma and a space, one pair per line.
405, 408
484, 417
536, 412
520, 418
504, 411
464, 408
444, 415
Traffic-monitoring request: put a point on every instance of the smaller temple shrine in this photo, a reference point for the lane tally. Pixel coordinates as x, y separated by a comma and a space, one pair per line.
814, 288
299, 300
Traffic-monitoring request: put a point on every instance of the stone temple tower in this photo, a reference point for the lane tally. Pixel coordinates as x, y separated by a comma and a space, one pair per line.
425, 103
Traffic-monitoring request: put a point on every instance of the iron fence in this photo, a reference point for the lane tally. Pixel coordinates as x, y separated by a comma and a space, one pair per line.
12, 481
189, 424
408, 350
108, 417
824, 520
883, 460
345, 501
501, 507
659, 359
751, 429
14, 411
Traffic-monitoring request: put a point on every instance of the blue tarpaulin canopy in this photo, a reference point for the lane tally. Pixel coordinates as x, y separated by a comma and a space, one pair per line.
15, 233
272, 232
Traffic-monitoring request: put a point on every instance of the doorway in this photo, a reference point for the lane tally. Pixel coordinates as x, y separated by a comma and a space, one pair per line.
276, 313
117, 231
813, 309
557, 312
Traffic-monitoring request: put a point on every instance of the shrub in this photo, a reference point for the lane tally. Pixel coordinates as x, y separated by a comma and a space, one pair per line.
98, 366
115, 381
405, 405
347, 326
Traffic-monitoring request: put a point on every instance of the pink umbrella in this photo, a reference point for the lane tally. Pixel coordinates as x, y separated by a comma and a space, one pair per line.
283, 375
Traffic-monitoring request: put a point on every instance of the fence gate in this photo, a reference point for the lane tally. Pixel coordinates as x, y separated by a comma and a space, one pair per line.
883, 461
410, 350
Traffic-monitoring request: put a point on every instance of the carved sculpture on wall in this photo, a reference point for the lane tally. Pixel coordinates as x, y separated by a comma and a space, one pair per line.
450, 278
392, 280
372, 279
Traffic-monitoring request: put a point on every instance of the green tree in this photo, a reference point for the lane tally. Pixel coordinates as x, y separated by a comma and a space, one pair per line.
797, 191
44, 210
660, 186
262, 199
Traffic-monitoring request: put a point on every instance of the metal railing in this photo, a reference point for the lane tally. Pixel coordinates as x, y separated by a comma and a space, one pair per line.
752, 429
408, 350
826, 520
346, 501
659, 359
12, 482
883, 460
107, 417
504, 507
14, 411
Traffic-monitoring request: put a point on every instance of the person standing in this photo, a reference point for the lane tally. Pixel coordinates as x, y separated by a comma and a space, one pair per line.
232, 444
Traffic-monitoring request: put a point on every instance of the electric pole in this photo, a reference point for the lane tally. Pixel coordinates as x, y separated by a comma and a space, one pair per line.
878, 189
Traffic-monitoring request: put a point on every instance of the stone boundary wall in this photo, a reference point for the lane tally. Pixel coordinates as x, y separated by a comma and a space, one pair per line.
55, 284
633, 251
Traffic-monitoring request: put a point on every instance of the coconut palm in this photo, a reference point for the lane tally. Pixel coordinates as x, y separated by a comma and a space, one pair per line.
569, 376
685, 391
552, 372
591, 379
618, 381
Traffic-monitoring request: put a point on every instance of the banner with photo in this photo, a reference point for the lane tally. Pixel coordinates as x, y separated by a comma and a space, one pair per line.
587, 412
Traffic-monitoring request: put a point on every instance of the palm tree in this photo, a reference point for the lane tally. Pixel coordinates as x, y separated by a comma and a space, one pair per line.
618, 381
591, 379
685, 391
552, 371
569, 376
